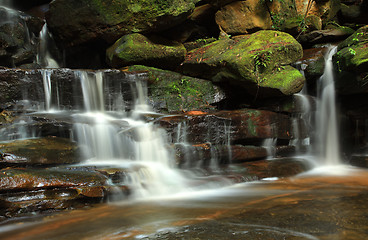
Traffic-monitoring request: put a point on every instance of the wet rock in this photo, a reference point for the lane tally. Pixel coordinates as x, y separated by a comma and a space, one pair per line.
359, 161
258, 63
42, 151
220, 127
293, 104
173, 92
280, 168
109, 20
206, 154
151, 51
351, 61
24, 89
36, 190
324, 36
313, 65
243, 17
84, 182
18, 41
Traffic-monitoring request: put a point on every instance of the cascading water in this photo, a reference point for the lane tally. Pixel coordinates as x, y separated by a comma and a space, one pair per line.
44, 57
116, 138
328, 142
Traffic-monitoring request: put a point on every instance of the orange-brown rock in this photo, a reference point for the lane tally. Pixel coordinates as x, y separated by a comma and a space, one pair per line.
244, 17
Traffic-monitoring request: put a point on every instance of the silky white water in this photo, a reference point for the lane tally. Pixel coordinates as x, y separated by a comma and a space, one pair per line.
327, 130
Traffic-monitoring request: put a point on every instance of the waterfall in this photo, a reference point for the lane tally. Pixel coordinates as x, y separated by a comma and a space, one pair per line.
123, 140
44, 57
6, 3
327, 130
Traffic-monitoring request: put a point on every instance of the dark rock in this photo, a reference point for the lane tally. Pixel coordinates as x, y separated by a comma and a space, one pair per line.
324, 36
355, 13
203, 155
224, 126
18, 41
79, 21
88, 184
295, 104
21, 88
27, 191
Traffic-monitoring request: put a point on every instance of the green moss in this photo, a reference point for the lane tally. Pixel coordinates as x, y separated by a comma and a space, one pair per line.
176, 92
252, 128
137, 49
288, 80
116, 11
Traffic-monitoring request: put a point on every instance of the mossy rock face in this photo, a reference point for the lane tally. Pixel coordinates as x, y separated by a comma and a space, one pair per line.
256, 62
138, 49
172, 92
351, 61
78, 21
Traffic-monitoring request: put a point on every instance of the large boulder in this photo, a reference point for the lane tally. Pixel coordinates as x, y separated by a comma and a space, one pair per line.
152, 51
325, 9
259, 63
243, 17
78, 21
351, 61
172, 92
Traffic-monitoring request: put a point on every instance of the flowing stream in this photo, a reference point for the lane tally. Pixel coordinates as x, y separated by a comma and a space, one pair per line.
114, 135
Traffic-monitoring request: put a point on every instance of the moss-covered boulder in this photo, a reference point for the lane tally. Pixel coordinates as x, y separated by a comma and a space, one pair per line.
78, 21
138, 49
259, 63
172, 92
351, 61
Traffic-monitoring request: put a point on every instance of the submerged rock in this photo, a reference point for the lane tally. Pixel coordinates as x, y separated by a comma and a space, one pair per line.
259, 63
172, 92
150, 51
203, 155
73, 22
41, 151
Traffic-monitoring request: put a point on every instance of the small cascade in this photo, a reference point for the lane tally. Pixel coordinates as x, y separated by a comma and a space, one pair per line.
123, 140
44, 57
6, 3
302, 119
327, 130
270, 145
